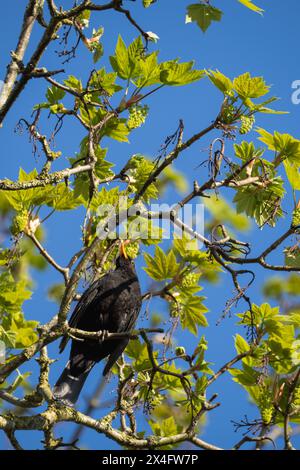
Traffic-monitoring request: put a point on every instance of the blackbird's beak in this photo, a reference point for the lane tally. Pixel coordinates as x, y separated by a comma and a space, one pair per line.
122, 249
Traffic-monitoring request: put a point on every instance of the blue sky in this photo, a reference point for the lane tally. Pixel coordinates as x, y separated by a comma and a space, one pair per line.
243, 41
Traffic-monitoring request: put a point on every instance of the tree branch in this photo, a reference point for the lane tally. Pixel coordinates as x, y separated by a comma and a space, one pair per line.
31, 13
47, 256
51, 178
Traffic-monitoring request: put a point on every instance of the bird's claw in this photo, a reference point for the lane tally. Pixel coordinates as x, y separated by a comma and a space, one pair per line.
103, 336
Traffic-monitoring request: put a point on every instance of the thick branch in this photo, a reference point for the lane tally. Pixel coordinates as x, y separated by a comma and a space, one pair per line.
64, 414
31, 13
51, 178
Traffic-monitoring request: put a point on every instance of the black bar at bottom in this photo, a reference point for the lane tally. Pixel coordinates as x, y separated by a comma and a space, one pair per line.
134, 459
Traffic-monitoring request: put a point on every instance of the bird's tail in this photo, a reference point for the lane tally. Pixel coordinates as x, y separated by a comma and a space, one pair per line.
69, 384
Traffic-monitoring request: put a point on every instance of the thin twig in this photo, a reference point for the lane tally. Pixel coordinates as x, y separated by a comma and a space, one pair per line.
47, 256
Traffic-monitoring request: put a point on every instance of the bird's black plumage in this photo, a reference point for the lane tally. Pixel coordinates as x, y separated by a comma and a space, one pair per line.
111, 303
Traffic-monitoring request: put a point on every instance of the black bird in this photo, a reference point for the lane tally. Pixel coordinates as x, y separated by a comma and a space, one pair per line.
112, 303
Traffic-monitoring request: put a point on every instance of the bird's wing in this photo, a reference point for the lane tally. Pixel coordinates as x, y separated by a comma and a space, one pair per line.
132, 309
85, 301
131, 319
127, 325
